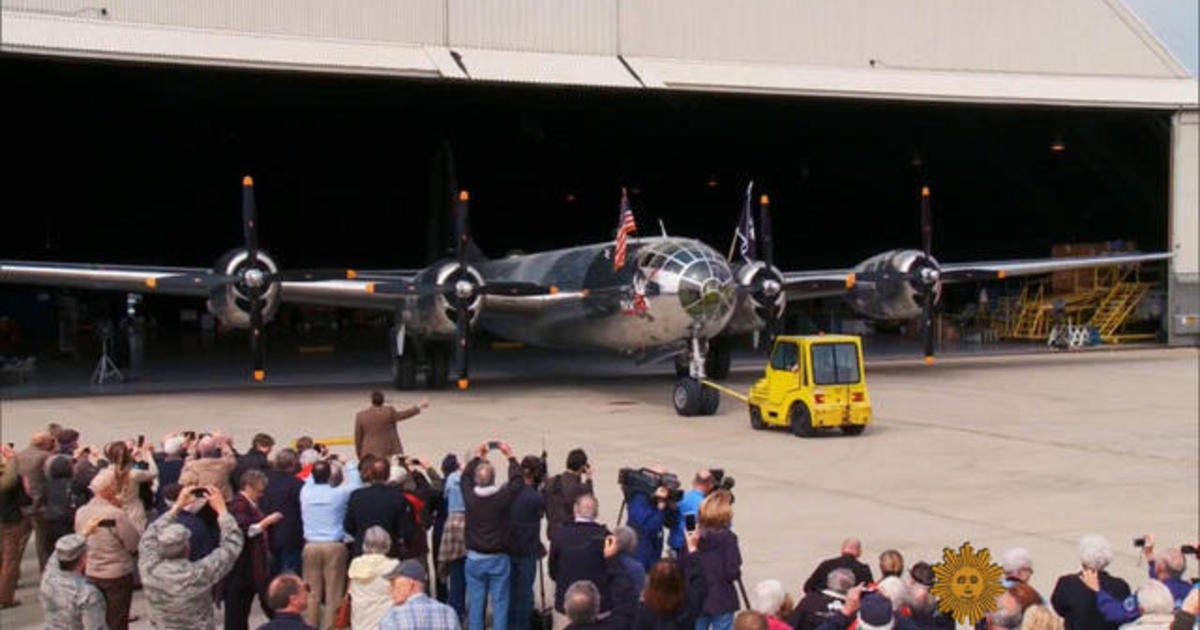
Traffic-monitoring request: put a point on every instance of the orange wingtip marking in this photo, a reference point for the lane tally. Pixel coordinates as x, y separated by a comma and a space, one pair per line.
152, 283
929, 361
850, 278
351, 274
464, 195
1000, 274
370, 288
553, 290
924, 191
247, 181
764, 200
259, 375
463, 383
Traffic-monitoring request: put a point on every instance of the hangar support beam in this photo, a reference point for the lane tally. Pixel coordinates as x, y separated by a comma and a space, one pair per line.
1184, 290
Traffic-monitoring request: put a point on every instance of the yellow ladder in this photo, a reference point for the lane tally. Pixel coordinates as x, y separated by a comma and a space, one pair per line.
1116, 307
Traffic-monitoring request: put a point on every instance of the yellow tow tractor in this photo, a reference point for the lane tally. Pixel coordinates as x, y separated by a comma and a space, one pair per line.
812, 382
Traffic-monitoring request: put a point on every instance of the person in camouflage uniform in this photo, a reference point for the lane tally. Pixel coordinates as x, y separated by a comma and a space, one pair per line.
180, 591
69, 600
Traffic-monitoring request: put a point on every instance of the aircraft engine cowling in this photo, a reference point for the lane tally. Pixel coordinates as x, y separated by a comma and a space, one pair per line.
231, 303
443, 288
764, 285
888, 287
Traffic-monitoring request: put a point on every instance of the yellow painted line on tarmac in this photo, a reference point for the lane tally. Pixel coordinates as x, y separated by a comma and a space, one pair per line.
725, 390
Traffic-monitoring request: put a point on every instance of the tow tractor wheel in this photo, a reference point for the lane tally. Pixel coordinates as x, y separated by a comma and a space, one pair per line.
687, 396
756, 421
801, 421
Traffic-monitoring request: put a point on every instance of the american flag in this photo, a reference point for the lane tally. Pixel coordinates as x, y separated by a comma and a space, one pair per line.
625, 227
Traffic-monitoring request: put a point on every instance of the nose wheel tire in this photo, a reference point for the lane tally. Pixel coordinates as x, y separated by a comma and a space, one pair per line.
801, 421
693, 399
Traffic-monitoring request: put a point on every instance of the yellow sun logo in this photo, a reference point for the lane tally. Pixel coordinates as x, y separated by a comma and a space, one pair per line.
967, 583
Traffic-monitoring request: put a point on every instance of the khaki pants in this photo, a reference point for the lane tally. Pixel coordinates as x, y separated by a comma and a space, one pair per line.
13, 538
324, 570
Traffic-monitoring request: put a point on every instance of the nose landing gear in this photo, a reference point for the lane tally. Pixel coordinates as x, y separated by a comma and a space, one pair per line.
690, 397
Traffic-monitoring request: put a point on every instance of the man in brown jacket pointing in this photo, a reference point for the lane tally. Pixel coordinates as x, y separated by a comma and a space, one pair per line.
375, 427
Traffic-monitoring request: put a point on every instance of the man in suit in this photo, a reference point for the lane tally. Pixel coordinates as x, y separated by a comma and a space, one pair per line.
375, 427
379, 504
283, 496
577, 555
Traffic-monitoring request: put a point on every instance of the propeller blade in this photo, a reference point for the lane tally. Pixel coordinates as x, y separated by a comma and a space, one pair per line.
461, 236
926, 222
461, 329
767, 243
256, 332
249, 219
927, 323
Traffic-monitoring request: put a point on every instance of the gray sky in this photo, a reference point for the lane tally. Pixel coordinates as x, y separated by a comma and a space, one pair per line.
1175, 22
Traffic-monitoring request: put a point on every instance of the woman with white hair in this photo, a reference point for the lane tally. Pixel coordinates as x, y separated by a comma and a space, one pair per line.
1074, 596
773, 602
1156, 605
370, 594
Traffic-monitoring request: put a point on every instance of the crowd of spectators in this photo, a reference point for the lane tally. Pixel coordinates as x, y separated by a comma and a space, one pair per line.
385, 540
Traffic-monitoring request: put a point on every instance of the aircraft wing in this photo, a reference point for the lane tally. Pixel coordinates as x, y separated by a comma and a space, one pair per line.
199, 282
804, 285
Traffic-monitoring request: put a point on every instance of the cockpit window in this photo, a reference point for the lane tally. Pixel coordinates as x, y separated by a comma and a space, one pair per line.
835, 364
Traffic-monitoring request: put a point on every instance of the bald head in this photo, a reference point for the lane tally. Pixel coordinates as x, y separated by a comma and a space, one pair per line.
286, 594
586, 507
852, 546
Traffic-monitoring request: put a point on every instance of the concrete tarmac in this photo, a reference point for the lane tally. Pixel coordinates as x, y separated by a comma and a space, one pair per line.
1031, 451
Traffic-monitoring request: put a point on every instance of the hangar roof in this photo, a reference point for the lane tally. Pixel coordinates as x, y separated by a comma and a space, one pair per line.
1067, 52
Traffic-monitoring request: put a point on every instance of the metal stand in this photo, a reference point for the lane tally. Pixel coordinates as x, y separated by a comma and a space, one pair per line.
106, 370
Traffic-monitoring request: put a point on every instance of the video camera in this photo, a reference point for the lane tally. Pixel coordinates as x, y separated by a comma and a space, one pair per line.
646, 481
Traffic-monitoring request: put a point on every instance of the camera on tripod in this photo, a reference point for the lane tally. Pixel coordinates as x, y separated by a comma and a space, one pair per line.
647, 481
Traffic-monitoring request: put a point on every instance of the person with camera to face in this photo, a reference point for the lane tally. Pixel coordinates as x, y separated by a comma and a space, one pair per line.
524, 540
488, 503
651, 510
1167, 567
562, 489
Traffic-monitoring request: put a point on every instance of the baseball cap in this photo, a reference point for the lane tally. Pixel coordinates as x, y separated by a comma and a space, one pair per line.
874, 612
410, 569
70, 547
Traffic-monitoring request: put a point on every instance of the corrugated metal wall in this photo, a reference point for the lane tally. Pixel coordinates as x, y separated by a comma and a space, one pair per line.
1080, 37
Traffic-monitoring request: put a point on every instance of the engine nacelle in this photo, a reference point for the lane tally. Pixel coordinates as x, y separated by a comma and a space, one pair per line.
885, 287
435, 313
231, 304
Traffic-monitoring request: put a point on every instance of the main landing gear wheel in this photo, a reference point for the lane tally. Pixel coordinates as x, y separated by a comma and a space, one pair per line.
801, 421
694, 399
404, 371
439, 366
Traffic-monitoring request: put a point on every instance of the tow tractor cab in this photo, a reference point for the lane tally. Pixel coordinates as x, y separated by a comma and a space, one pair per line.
813, 382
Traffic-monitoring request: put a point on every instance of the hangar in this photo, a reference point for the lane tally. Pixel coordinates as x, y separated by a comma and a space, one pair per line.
1034, 124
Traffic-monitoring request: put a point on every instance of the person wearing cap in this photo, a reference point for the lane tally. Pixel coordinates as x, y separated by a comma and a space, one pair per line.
414, 609
178, 590
110, 562
69, 599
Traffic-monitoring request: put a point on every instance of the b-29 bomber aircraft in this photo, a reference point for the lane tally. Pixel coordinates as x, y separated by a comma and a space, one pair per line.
651, 297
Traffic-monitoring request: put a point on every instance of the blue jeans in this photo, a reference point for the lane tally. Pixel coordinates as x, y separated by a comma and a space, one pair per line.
487, 574
716, 622
456, 587
524, 569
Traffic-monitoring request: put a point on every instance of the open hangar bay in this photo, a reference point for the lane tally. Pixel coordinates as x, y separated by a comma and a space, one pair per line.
140, 164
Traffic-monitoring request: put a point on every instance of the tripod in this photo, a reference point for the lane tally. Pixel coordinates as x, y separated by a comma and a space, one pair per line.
106, 370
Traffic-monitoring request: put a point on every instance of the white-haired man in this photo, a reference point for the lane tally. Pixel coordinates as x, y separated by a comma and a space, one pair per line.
812, 610
178, 590
1018, 566
1168, 567
1074, 600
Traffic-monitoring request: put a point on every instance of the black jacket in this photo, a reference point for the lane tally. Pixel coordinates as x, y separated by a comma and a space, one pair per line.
382, 505
525, 522
561, 490
623, 605
1076, 603
812, 610
819, 578
283, 495
577, 553
487, 514
252, 459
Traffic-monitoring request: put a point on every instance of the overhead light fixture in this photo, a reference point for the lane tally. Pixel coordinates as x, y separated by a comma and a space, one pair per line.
1058, 146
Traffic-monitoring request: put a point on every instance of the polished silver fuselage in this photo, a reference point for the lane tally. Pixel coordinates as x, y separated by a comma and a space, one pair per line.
667, 289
